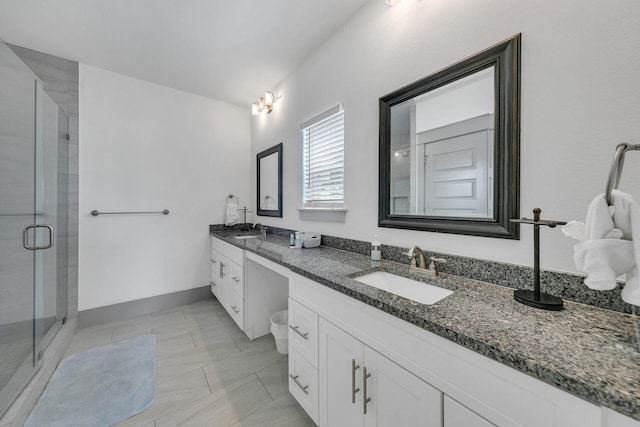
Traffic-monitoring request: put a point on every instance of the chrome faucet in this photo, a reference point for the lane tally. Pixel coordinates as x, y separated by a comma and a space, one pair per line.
419, 263
261, 228
416, 253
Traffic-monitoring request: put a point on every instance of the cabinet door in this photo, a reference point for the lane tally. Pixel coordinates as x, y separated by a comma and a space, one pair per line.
222, 278
340, 370
215, 274
398, 398
456, 415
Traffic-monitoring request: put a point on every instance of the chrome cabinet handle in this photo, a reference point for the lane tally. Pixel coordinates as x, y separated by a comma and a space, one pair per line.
212, 283
25, 237
304, 388
221, 270
354, 390
365, 399
295, 329
214, 261
234, 308
235, 279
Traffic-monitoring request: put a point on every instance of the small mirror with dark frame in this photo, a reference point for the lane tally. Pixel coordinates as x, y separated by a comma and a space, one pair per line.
269, 189
450, 148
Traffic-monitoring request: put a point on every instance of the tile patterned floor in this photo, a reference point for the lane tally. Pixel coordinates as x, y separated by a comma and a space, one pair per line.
208, 372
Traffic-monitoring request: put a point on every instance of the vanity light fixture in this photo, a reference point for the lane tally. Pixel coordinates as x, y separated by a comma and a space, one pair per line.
264, 103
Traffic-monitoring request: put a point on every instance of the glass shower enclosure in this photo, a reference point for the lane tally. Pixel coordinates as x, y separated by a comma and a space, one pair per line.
33, 305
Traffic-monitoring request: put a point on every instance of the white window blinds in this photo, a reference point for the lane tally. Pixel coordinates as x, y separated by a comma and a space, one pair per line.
323, 160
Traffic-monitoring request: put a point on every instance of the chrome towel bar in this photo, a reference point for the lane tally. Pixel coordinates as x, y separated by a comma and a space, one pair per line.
616, 168
96, 213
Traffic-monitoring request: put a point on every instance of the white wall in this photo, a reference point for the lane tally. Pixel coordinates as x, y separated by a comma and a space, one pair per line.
147, 147
580, 97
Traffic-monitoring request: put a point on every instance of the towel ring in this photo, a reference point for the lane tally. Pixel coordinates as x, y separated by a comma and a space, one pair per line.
616, 168
231, 197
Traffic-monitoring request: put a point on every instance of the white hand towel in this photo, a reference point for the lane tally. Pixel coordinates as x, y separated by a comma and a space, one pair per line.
610, 244
626, 217
602, 260
232, 213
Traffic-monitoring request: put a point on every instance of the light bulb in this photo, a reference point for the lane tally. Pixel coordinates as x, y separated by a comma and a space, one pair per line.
269, 98
254, 109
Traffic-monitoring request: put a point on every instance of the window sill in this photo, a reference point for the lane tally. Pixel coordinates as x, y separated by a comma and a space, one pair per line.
322, 209
323, 214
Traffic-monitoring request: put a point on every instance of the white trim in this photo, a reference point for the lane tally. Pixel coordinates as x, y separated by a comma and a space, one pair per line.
324, 209
330, 112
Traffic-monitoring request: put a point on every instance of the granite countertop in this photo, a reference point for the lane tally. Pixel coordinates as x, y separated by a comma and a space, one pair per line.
587, 351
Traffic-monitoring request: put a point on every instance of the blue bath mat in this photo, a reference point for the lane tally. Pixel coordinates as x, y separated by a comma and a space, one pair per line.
99, 387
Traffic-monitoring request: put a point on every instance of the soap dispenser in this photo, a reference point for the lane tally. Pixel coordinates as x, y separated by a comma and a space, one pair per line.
376, 253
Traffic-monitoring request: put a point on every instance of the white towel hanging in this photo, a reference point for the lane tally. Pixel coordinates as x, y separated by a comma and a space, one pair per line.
610, 244
232, 215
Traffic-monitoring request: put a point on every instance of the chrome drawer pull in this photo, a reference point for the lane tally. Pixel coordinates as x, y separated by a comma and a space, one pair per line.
235, 279
354, 390
214, 261
234, 308
304, 388
295, 329
212, 283
365, 399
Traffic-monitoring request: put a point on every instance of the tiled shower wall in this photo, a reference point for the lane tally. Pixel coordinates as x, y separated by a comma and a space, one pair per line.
60, 81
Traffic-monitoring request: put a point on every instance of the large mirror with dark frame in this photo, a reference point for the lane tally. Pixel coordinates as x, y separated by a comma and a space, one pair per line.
269, 173
450, 148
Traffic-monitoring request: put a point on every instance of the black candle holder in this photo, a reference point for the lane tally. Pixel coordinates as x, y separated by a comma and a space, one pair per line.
536, 298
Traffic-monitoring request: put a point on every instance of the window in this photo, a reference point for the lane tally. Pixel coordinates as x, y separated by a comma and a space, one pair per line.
323, 160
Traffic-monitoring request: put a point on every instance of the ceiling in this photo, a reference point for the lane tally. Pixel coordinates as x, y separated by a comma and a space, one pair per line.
231, 50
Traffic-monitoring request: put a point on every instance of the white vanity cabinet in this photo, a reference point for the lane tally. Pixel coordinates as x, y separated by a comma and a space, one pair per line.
428, 380
413, 377
227, 278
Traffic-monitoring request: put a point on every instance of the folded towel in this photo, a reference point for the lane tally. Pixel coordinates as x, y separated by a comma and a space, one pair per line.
232, 213
610, 244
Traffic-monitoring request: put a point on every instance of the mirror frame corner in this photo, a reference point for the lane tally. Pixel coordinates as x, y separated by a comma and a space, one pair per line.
269, 151
505, 57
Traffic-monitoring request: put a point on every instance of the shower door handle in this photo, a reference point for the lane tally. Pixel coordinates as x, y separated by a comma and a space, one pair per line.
25, 237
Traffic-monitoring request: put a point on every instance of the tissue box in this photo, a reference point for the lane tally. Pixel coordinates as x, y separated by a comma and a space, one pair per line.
309, 240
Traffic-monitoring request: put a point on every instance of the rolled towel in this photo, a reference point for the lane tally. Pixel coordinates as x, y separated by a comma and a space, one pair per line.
610, 244
232, 213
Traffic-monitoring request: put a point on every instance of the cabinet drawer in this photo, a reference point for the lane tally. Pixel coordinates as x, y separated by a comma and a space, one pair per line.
234, 253
237, 279
303, 331
235, 307
303, 384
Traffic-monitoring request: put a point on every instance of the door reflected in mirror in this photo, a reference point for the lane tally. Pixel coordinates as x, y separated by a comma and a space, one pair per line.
442, 144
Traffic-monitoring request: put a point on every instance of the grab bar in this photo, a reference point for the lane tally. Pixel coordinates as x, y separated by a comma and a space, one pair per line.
616, 168
96, 213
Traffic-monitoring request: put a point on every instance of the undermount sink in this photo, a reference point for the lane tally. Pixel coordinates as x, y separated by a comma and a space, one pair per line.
406, 288
245, 236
